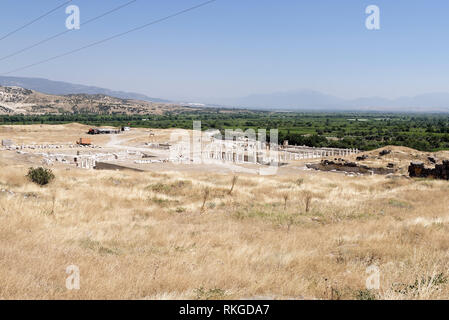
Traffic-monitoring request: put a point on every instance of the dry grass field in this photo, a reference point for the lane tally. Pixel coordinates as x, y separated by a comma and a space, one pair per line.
184, 235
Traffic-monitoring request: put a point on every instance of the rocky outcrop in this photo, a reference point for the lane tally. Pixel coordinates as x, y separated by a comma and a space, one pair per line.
362, 157
417, 169
14, 94
432, 160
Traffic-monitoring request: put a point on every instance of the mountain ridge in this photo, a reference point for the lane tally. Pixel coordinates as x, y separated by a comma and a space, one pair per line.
295, 100
314, 100
47, 86
18, 100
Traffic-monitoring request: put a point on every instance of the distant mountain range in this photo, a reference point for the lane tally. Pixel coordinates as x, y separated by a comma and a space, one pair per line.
300, 100
64, 88
314, 100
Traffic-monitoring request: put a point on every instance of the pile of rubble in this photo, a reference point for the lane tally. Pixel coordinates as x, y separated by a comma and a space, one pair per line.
417, 169
12, 147
349, 167
150, 161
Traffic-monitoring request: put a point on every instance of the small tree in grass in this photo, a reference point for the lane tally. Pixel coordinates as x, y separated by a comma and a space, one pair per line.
40, 175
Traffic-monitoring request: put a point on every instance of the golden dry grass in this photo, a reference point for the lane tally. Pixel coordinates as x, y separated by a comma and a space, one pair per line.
70, 133
144, 236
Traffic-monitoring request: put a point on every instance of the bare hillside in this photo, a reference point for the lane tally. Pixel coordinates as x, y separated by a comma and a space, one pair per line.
16, 100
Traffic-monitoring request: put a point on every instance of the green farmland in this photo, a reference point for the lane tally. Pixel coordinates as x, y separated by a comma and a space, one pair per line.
365, 131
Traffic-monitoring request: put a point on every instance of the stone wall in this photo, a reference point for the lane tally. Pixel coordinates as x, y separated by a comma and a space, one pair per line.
346, 166
418, 170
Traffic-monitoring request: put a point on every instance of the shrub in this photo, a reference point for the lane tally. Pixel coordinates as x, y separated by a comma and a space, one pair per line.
209, 294
173, 188
40, 175
365, 295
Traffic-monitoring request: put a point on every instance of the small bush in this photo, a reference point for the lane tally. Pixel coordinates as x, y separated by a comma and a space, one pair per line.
431, 282
400, 204
174, 188
209, 294
365, 295
40, 175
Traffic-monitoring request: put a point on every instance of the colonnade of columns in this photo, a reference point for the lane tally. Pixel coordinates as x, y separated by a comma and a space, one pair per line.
85, 163
223, 153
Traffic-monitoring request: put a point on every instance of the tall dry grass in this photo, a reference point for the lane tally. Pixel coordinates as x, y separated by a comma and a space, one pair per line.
142, 236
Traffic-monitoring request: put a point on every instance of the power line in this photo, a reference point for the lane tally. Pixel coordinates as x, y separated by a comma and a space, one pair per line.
66, 31
33, 21
111, 37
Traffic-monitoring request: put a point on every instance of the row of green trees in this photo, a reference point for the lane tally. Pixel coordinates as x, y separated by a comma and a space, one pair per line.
342, 130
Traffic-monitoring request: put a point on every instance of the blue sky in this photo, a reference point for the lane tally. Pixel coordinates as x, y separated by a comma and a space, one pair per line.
234, 48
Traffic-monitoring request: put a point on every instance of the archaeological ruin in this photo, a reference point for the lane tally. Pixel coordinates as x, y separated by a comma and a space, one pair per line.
417, 169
